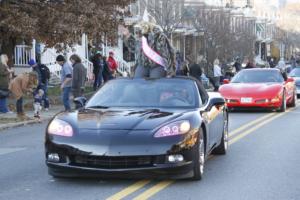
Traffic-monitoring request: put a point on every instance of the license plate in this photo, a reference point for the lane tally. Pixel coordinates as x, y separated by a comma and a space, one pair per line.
246, 100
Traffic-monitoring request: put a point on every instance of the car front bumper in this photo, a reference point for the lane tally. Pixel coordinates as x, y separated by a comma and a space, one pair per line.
254, 105
175, 170
82, 164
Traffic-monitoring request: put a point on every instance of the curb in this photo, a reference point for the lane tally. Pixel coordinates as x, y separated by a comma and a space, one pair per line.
24, 123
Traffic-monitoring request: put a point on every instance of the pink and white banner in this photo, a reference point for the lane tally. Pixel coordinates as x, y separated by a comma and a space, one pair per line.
153, 55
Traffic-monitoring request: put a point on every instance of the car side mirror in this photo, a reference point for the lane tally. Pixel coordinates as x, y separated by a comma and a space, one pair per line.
215, 101
79, 102
290, 80
226, 81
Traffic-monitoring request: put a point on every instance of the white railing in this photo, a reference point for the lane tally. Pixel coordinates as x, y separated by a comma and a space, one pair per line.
23, 53
123, 68
89, 66
49, 59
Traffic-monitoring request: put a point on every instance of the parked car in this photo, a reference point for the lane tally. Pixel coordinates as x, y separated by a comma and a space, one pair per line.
135, 127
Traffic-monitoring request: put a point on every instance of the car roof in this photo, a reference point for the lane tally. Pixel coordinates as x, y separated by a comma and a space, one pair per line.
262, 69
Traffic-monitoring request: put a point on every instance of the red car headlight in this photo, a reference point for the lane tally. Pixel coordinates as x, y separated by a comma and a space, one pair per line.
61, 128
175, 128
277, 98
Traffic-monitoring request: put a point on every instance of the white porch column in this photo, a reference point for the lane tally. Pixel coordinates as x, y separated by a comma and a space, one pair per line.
183, 46
32, 56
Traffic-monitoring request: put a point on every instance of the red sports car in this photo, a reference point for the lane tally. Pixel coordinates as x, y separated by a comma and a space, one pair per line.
260, 88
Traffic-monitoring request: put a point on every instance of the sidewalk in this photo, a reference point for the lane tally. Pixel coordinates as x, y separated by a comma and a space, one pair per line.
11, 120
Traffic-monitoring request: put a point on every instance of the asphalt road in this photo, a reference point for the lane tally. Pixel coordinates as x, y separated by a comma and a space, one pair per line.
263, 162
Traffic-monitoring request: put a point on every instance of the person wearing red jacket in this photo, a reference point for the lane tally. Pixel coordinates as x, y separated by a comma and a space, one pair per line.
112, 64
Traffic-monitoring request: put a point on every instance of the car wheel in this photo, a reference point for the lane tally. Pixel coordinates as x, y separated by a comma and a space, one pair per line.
294, 101
223, 146
199, 157
283, 104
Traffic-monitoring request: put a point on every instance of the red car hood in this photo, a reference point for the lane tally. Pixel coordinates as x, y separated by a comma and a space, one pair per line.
254, 90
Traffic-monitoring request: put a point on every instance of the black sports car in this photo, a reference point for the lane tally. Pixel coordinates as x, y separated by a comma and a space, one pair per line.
139, 128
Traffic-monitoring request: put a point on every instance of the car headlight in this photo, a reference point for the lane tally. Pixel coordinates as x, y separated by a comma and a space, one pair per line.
277, 98
175, 128
61, 128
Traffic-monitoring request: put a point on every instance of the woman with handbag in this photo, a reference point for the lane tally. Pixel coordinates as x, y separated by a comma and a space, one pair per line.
5, 75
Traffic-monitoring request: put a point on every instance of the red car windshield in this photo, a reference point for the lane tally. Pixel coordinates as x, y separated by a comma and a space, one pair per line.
258, 76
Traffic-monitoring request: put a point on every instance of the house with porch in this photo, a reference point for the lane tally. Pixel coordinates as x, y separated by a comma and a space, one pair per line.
24, 52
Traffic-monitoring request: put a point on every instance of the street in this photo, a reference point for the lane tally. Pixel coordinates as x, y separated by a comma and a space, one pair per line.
262, 163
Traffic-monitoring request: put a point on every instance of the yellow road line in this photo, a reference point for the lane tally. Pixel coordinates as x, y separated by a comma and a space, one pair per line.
153, 190
127, 191
163, 184
247, 125
244, 134
236, 131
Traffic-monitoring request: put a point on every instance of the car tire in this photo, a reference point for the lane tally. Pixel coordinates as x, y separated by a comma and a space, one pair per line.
283, 104
221, 149
294, 101
199, 157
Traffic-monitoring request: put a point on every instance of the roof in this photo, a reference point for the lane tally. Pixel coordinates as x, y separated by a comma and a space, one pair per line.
262, 69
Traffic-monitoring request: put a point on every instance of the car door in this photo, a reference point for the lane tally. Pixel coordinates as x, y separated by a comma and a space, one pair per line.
214, 118
211, 114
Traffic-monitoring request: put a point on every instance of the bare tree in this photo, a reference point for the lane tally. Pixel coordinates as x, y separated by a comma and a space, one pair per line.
57, 21
226, 36
167, 13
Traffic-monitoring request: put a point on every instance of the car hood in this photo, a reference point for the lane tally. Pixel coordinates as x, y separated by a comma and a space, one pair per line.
120, 119
256, 90
117, 132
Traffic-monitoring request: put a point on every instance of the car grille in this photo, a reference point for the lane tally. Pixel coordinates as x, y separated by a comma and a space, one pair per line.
107, 162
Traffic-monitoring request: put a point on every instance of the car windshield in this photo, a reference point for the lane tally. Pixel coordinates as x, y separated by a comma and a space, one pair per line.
258, 76
295, 72
171, 93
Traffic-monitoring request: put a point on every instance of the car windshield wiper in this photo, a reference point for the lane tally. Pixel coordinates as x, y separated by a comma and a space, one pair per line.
98, 106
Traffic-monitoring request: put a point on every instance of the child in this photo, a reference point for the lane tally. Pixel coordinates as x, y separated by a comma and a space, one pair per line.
38, 103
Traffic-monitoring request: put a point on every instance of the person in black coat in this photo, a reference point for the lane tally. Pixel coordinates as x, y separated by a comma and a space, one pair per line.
106, 73
97, 70
237, 64
196, 71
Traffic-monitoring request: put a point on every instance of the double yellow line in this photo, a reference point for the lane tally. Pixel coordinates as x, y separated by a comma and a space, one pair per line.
234, 136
